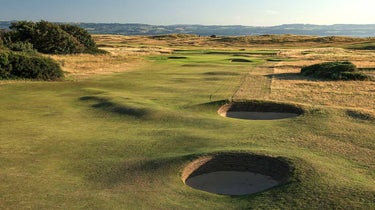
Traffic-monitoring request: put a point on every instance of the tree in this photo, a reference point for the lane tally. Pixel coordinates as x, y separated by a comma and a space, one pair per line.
81, 35
52, 38
23, 31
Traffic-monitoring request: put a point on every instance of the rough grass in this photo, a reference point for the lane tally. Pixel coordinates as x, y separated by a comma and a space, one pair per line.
338, 70
240, 42
77, 145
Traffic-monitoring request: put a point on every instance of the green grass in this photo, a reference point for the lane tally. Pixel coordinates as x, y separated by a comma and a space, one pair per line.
362, 46
228, 52
120, 141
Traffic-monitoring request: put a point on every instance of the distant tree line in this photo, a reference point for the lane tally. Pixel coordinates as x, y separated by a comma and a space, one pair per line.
19, 47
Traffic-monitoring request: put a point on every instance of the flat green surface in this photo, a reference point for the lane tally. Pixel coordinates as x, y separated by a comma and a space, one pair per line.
120, 141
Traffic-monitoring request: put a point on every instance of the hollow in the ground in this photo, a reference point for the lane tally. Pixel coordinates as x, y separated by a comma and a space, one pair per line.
236, 173
259, 110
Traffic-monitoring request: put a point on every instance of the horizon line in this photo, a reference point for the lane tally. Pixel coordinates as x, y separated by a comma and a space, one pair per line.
191, 24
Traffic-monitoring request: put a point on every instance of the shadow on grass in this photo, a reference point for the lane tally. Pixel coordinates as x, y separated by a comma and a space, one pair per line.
209, 106
140, 171
293, 76
106, 105
221, 73
358, 115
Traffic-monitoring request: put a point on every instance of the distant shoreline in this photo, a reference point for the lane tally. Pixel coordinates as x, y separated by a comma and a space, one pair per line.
353, 30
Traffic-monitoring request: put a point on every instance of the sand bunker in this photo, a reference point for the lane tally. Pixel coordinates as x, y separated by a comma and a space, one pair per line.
240, 60
257, 110
236, 173
232, 182
177, 57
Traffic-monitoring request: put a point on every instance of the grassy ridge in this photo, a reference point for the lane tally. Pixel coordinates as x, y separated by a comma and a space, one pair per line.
121, 141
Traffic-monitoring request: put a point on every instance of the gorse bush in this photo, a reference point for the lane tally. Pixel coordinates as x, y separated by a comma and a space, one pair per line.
22, 47
51, 38
18, 65
82, 36
19, 46
339, 70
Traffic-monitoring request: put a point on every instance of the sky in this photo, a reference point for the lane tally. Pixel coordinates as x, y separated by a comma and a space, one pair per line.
204, 12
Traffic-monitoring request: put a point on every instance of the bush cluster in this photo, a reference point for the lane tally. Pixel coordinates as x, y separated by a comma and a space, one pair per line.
19, 46
22, 47
51, 38
339, 70
17, 65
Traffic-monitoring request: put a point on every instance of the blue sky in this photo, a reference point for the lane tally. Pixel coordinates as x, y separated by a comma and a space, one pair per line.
207, 12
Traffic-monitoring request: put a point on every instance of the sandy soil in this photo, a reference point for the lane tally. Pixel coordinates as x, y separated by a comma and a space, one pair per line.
231, 182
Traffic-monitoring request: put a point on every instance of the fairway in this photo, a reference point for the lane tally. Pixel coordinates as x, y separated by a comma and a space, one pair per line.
119, 131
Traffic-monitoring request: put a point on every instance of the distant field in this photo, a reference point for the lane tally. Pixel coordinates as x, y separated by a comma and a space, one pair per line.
120, 130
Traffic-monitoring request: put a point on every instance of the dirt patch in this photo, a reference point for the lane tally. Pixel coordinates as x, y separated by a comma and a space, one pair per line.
236, 173
258, 110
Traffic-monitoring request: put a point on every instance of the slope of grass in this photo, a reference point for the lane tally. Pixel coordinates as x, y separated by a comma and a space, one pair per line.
120, 141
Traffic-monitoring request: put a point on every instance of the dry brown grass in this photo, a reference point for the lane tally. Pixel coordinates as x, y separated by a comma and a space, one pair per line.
121, 57
283, 82
81, 66
273, 81
288, 85
261, 41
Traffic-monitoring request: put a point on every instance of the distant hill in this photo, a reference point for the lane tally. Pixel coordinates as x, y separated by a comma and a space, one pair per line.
229, 30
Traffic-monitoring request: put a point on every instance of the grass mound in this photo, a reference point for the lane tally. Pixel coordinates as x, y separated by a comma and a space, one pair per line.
173, 36
364, 46
109, 106
339, 70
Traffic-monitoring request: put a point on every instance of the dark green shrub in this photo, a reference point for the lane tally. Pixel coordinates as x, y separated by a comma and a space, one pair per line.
52, 38
22, 31
28, 66
81, 35
4, 65
22, 47
353, 76
339, 70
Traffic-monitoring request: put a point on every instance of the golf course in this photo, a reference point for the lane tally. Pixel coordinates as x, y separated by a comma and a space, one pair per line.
132, 128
